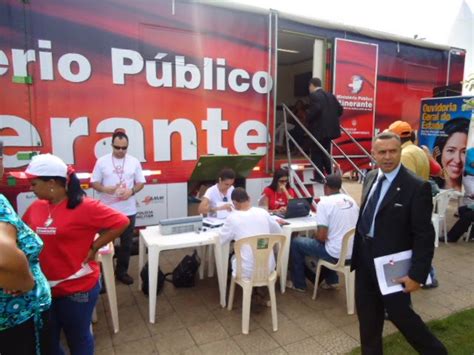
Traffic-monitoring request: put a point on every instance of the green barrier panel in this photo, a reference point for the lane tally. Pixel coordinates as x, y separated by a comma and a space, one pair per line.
209, 166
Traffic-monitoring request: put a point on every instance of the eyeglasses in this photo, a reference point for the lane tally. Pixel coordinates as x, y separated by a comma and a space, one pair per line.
119, 148
224, 199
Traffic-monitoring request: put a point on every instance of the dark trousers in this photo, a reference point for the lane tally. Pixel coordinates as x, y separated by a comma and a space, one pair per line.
320, 159
371, 304
123, 253
466, 217
21, 339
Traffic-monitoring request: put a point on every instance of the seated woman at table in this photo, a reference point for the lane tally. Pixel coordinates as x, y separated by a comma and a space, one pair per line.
216, 201
276, 195
67, 221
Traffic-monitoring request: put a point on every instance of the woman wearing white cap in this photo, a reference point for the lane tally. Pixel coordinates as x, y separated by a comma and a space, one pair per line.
25, 296
67, 221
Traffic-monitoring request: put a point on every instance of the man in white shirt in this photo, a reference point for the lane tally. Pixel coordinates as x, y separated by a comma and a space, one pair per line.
118, 177
337, 213
247, 221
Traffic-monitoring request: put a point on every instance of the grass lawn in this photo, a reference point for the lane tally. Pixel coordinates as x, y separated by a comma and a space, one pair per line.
456, 332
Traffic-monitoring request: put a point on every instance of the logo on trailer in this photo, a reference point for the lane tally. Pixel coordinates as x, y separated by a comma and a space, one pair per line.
356, 84
152, 199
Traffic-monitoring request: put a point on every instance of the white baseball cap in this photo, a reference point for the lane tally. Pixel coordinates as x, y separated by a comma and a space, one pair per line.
43, 165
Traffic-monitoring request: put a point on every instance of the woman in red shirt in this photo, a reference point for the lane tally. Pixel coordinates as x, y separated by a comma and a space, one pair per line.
276, 195
67, 221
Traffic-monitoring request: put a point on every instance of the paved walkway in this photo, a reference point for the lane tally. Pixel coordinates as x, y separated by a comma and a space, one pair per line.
190, 321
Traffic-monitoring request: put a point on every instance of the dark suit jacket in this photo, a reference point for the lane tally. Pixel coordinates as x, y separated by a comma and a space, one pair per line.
323, 115
403, 222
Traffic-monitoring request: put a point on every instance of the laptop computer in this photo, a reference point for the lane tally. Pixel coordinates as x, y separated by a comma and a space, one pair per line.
297, 207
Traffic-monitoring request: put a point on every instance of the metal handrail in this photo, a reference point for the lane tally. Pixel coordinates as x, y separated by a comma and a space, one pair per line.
290, 137
301, 186
361, 172
366, 153
310, 135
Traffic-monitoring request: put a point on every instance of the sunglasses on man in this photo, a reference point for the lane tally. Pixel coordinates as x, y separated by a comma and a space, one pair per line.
119, 148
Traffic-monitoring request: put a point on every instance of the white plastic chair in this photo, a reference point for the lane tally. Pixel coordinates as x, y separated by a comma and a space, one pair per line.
459, 196
342, 268
105, 256
440, 205
261, 246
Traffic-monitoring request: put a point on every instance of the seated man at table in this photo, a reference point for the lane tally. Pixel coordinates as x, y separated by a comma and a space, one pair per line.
247, 221
336, 214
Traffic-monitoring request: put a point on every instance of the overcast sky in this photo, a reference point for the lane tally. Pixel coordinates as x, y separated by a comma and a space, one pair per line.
449, 22
430, 19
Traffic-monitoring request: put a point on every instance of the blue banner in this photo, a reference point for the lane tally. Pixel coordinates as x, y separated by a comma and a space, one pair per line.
444, 129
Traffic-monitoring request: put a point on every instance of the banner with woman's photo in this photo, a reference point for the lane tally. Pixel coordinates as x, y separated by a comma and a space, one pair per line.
444, 129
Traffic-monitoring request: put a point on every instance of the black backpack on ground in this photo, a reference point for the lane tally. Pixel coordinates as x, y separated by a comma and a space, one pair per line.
184, 275
144, 277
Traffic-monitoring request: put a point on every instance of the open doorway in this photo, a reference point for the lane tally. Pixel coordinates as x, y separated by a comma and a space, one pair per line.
300, 57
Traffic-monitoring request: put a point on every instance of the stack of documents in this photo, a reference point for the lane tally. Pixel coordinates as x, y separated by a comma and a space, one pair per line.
391, 267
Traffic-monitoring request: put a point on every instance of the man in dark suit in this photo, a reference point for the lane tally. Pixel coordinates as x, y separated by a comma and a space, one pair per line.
323, 120
395, 216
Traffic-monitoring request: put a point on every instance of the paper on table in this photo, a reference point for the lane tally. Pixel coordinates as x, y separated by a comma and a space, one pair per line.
393, 266
222, 214
212, 222
279, 220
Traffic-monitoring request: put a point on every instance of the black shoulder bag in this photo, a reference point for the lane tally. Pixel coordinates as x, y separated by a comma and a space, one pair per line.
184, 274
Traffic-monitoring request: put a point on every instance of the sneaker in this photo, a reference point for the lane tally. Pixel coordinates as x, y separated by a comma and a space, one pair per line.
125, 279
325, 286
289, 284
433, 284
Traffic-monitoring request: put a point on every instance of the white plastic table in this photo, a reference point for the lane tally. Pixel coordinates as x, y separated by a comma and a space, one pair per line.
152, 239
296, 225
105, 256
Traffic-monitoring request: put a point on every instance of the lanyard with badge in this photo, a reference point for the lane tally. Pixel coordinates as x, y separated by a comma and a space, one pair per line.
119, 170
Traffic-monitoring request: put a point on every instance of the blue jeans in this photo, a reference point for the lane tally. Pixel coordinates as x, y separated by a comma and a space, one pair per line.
73, 314
301, 247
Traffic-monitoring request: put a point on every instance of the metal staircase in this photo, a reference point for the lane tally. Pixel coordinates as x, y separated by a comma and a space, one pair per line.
296, 181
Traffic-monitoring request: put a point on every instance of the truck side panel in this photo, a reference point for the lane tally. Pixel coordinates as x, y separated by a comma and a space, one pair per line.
182, 84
